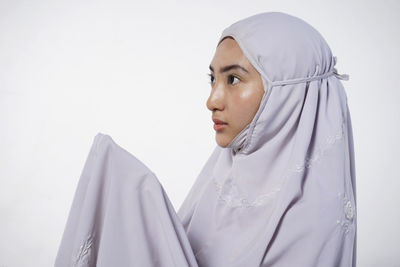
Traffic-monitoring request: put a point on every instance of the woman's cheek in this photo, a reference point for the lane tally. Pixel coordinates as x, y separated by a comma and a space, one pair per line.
242, 114
247, 101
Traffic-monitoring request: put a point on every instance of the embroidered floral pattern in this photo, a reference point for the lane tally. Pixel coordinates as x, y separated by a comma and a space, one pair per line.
229, 193
83, 257
348, 211
330, 140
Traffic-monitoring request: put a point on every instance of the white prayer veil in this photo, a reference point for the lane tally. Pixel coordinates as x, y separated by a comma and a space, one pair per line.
283, 192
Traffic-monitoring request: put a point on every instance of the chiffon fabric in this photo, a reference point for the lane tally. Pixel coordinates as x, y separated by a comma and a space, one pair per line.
283, 193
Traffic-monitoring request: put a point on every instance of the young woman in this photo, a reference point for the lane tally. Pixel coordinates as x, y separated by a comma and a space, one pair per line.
278, 189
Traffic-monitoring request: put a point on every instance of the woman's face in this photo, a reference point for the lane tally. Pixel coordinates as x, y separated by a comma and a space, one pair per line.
236, 91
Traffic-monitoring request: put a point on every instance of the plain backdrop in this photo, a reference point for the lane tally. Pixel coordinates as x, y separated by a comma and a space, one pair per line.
137, 70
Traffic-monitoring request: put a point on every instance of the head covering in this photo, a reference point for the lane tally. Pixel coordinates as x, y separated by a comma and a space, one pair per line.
283, 192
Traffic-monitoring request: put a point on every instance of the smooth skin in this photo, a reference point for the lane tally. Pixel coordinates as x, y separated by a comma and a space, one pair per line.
236, 90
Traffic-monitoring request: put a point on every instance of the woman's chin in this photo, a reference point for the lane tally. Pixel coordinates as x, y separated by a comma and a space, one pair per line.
222, 141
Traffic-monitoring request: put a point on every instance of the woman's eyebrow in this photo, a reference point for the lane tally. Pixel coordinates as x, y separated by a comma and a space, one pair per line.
229, 67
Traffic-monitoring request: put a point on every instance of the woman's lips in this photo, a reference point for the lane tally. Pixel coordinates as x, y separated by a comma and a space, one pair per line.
218, 124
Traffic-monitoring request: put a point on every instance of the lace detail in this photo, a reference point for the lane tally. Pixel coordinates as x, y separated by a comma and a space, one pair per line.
83, 256
230, 195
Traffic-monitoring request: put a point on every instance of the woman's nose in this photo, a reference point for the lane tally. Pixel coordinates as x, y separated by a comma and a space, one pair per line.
216, 99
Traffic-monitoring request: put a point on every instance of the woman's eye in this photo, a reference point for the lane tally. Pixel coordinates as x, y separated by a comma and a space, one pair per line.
211, 78
231, 78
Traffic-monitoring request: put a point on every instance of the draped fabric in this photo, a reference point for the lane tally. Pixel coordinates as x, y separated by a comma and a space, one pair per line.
121, 215
282, 193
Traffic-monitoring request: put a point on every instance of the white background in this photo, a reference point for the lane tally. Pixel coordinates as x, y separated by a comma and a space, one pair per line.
137, 70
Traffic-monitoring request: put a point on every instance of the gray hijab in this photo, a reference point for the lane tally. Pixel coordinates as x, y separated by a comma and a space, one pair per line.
283, 192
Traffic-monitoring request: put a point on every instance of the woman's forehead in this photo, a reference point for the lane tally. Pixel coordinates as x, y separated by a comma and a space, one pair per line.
229, 55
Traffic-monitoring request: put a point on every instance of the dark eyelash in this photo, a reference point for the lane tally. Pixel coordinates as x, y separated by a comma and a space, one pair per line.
234, 77
210, 75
